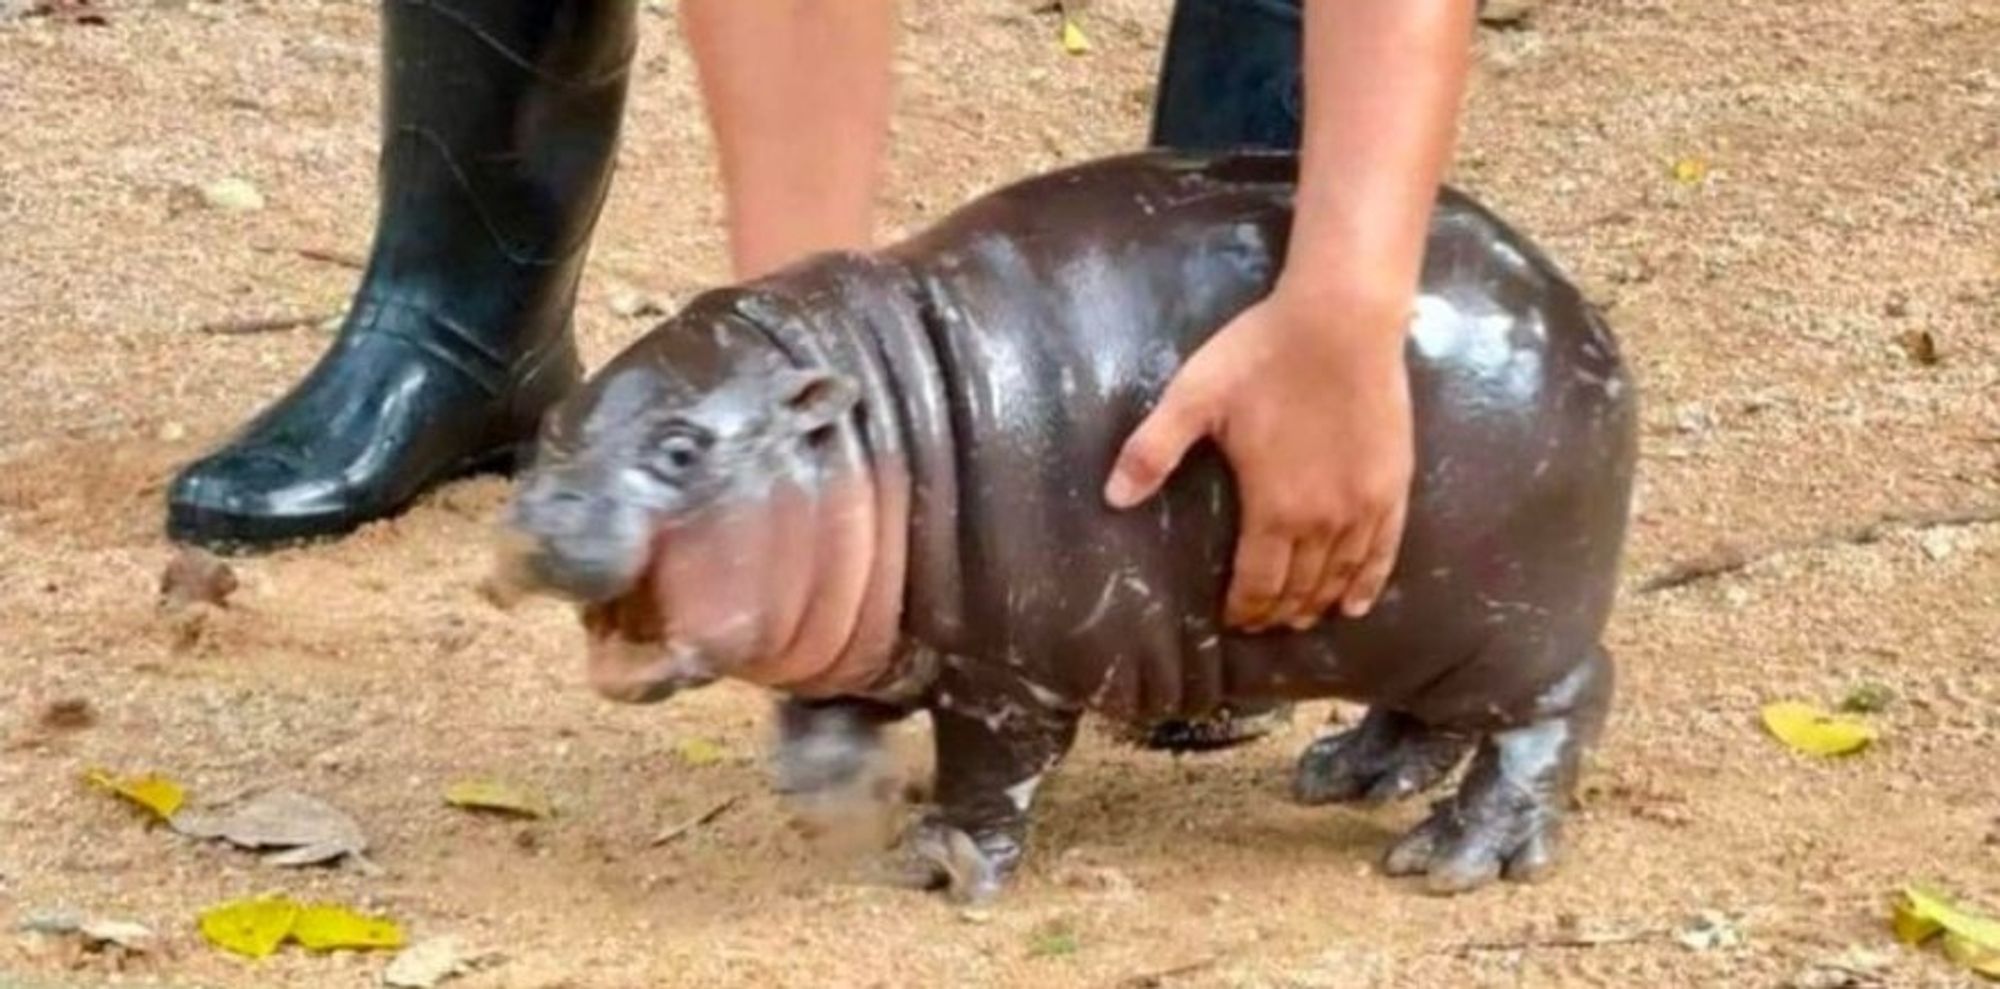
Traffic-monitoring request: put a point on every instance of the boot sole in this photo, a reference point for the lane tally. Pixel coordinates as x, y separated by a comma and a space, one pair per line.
237, 533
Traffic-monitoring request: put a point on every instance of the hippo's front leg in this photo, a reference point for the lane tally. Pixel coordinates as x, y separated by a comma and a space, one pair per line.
995, 741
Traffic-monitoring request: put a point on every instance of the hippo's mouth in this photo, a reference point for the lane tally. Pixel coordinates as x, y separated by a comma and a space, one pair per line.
631, 658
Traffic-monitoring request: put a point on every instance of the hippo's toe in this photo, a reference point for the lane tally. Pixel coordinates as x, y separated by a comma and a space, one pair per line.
1388, 756
970, 870
1505, 820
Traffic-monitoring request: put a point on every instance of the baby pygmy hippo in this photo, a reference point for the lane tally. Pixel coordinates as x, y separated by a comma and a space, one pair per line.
871, 483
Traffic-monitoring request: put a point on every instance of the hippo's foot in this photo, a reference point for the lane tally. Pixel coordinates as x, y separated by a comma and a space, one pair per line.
1497, 824
970, 869
832, 748
1388, 756
995, 739
835, 773
1506, 818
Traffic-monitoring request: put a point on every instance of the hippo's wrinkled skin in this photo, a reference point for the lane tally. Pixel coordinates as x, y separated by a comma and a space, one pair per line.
872, 483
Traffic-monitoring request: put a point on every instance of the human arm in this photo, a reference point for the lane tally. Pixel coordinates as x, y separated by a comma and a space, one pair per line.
1306, 391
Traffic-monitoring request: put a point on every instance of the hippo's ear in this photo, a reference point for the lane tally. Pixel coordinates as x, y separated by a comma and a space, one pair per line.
812, 400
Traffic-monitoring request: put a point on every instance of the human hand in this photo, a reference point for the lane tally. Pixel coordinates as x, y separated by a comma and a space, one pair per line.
1308, 398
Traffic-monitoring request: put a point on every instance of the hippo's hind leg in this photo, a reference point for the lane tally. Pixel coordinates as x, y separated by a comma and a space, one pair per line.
1388, 756
992, 753
1506, 817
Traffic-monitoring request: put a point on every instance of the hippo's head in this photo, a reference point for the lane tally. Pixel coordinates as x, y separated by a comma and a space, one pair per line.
691, 498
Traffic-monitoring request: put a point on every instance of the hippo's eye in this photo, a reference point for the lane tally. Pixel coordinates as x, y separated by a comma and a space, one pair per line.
678, 451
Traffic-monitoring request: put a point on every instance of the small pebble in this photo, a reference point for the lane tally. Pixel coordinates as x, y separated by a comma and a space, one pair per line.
1708, 930
196, 575
631, 303
234, 195
1938, 543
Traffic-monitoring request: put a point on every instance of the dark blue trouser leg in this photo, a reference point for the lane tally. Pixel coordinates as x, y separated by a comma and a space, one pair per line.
1230, 76
1229, 79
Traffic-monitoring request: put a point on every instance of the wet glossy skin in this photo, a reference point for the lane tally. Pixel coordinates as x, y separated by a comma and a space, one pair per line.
1002, 357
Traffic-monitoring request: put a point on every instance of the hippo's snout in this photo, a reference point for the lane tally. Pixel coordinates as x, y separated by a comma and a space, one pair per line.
644, 672
561, 539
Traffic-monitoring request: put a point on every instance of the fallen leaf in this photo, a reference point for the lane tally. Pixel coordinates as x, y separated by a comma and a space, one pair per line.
1868, 698
1074, 41
498, 796
1911, 926
1970, 940
425, 964
123, 933
329, 926
1814, 731
1691, 170
158, 794
1920, 345
252, 928
255, 928
232, 194
1972, 955
309, 830
50, 922
698, 751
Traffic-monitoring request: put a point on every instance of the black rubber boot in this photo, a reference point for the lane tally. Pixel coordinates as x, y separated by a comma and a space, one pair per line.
1230, 79
500, 124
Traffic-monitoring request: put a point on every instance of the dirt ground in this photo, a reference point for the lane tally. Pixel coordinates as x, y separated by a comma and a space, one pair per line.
1852, 196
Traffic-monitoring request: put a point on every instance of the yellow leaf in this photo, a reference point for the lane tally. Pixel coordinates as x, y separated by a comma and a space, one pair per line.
698, 751
1910, 926
1928, 902
1814, 731
253, 928
327, 926
1970, 940
496, 795
158, 794
1691, 170
1074, 40
1972, 955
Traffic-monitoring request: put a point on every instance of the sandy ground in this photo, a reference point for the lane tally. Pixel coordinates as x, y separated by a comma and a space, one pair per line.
1853, 195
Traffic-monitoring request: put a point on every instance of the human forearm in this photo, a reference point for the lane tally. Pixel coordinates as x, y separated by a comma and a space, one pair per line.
1384, 79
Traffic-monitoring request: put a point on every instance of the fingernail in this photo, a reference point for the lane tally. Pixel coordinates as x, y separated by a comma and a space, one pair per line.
1357, 609
1303, 622
1120, 491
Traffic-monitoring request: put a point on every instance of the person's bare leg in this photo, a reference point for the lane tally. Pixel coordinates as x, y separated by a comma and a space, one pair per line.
798, 97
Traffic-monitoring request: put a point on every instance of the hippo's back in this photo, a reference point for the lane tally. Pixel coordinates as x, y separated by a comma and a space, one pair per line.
1060, 307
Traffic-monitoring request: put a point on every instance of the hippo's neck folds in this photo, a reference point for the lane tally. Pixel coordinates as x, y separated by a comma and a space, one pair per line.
887, 504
